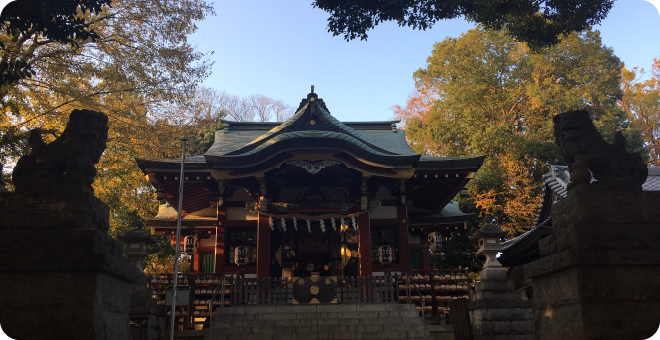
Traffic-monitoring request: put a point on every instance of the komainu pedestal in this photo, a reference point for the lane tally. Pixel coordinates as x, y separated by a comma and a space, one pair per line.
61, 275
599, 273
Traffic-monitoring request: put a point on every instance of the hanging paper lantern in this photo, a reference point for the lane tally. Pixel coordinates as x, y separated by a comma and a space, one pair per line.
435, 241
385, 254
190, 244
241, 255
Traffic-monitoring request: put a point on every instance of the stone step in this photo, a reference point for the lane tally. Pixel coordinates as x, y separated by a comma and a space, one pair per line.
323, 336
388, 322
375, 321
306, 315
233, 323
315, 308
321, 328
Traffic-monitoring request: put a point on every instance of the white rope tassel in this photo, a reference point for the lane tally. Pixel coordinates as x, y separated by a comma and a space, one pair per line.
283, 224
322, 225
309, 226
270, 221
353, 222
334, 224
295, 224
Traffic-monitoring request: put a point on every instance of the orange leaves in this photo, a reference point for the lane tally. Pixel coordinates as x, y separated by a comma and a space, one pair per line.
641, 101
419, 103
515, 199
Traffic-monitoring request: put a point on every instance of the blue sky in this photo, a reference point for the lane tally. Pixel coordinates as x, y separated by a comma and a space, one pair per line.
280, 48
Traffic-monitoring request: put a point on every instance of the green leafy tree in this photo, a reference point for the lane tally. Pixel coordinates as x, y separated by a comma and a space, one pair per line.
537, 22
459, 252
488, 94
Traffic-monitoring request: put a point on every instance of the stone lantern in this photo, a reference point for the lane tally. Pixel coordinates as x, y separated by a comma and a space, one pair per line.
136, 242
497, 310
489, 237
143, 306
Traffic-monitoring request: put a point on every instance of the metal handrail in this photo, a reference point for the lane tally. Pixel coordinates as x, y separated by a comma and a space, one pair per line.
422, 298
222, 304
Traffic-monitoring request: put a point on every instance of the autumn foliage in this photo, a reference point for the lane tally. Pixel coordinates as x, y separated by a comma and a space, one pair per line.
486, 94
641, 101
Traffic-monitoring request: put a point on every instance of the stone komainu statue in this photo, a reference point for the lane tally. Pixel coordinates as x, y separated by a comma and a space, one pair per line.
69, 160
584, 149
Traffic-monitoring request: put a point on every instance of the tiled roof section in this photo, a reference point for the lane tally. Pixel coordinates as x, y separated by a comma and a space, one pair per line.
313, 134
238, 135
428, 162
509, 244
559, 177
390, 140
242, 143
259, 139
349, 129
451, 213
653, 181
226, 142
557, 180
452, 210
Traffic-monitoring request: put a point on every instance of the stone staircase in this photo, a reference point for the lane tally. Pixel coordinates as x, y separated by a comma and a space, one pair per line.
342, 321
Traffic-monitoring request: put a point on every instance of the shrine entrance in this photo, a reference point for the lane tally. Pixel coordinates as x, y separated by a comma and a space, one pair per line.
314, 250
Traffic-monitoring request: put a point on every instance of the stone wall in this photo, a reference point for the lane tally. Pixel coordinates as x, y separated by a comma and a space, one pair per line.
599, 273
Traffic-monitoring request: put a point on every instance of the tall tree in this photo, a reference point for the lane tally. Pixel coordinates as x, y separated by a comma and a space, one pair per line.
54, 20
139, 68
641, 101
537, 22
485, 93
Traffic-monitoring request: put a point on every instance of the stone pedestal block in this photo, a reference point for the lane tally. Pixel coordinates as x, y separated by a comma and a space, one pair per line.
499, 312
143, 307
502, 319
599, 272
62, 276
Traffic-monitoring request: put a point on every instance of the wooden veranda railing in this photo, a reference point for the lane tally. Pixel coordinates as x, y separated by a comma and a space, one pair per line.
279, 290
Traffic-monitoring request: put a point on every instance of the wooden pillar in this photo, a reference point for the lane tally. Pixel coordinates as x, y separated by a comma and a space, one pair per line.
404, 242
364, 231
426, 258
263, 247
196, 265
220, 237
220, 259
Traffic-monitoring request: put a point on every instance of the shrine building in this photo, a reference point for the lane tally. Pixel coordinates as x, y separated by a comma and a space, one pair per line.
311, 196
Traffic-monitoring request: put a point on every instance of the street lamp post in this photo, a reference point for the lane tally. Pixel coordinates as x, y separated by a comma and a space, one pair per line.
175, 282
